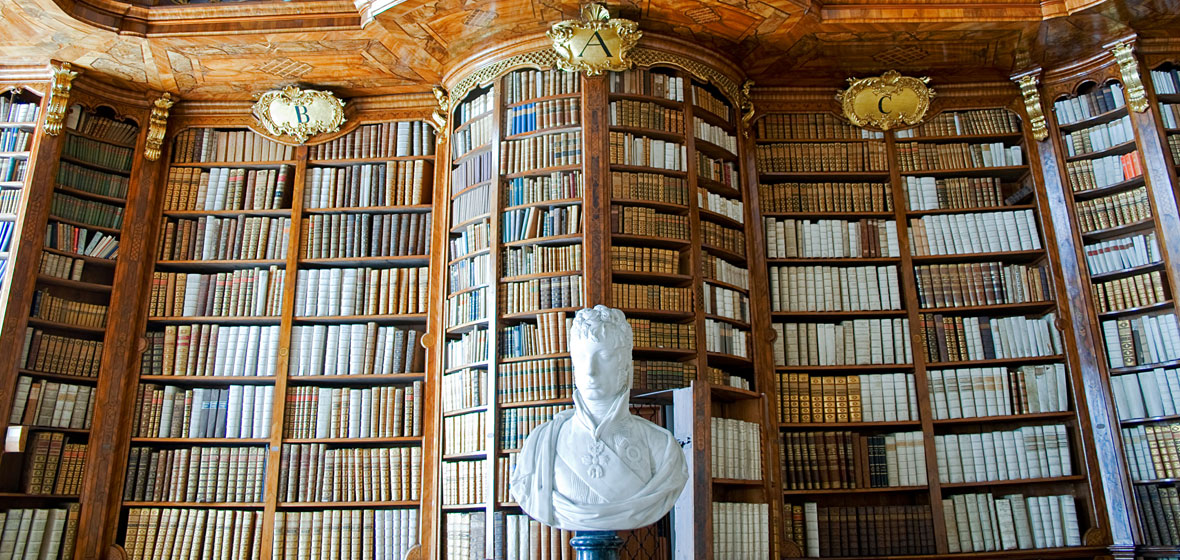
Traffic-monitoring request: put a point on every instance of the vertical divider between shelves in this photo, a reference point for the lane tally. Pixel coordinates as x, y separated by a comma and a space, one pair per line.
597, 191
1160, 179
917, 343
18, 232
492, 418
275, 447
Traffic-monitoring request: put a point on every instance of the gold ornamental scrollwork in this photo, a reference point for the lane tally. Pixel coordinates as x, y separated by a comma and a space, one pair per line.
746, 105
1124, 54
1032, 106
439, 117
595, 44
157, 126
886, 102
59, 98
299, 113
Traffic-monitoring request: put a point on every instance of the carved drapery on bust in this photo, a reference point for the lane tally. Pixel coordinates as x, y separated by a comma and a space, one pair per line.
597, 467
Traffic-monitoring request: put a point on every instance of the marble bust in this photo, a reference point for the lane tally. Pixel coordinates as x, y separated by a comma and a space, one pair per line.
598, 467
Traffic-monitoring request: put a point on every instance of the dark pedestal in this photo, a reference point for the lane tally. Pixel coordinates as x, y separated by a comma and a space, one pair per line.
597, 545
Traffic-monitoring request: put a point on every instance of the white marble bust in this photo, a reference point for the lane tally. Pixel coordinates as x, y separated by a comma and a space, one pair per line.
598, 467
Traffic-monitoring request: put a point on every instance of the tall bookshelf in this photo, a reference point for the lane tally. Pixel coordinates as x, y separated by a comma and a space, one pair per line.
925, 245
20, 111
279, 410
59, 365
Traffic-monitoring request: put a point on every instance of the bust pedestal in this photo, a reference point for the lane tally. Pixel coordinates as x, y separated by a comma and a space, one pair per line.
597, 545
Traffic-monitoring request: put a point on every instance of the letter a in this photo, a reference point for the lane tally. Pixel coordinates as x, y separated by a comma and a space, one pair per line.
601, 44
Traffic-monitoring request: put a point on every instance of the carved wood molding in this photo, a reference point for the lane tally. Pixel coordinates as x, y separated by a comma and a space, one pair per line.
1099, 68
230, 18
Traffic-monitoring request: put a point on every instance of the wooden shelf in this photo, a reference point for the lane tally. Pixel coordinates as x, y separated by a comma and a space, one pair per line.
544, 204
970, 209
712, 118
262, 320
724, 253
354, 161
660, 314
1096, 119
360, 379
208, 380
1115, 188
540, 402
831, 261
215, 265
1021, 481
720, 219
1150, 420
398, 319
470, 153
1144, 367
93, 227
58, 377
95, 166
47, 324
404, 260
106, 199
651, 241
717, 187
714, 150
210, 505
513, 360
848, 425
997, 362
859, 176
348, 505
275, 213
660, 278
399, 209
533, 314
745, 324
74, 284
468, 410
1161, 306
96, 138
829, 215
738, 482
645, 169
733, 287
1010, 172
640, 97
1132, 271
235, 164
1119, 149
201, 441
816, 492
1118, 231
848, 368
525, 277
547, 240
1004, 256
411, 440
470, 187
1005, 137
668, 207
1031, 417
669, 135
544, 171
837, 315
475, 253
999, 308
543, 131
544, 98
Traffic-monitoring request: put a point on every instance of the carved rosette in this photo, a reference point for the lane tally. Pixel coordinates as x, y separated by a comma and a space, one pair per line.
608, 40
157, 126
864, 100
1032, 106
299, 113
59, 98
1124, 54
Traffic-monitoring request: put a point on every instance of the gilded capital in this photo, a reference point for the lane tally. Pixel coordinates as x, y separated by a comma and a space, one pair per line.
157, 126
1032, 106
59, 98
1124, 54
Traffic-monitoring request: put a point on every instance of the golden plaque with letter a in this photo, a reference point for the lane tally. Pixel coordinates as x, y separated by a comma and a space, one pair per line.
596, 44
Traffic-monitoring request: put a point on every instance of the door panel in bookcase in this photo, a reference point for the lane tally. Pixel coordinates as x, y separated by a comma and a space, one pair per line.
58, 370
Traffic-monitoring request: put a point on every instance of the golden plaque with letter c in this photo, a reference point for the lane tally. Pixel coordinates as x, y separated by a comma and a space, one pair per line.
886, 102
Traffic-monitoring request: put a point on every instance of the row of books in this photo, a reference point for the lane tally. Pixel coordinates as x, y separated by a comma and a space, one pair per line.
471, 238
1169, 113
733, 538
629, 149
473, 135
388, 139
1028, 452
13, 169
342, 236
886, 530
821, 157
1098, 137
724, 338
554, 113
211, 350
724, 172
791, 238
984, 523
468, 307
477, 106
223, 533
1146, 394
717, 269
53, 465
528, 539
930, 193
212, 238
645, 114
517, 423
463, 482
470, 272
706, 100
1151, 450
856, 342
956, 339
538, 152
316, 473
1159, 507
978, 232
728, 207
535, 380
63, 355
724, 302
465, 534
476, 168
826, 197
536, 259
1088, 174
361, 291
986, 283
1099, 100
38, 533
559, 185
549, 335
1141, 340
101, 154
89, 212
61, 310
201, 145
810, 125
642, 296
879, 397
234, 411
1130, 292
14, 111
367, 534
355, 349
471, 204
354, 412
92, 180
833, 288
393, 183
724, 237
649, 186
196, 475
52, 264
463, 389
225, 188
836, 460
735, 448
10, 201
714, 134
1113, 211
916, 157
658, 334
646, 82
960, 123
523, 85
645, 259
249, 292
534, 222
1166, 81
997, 391
635, 220
464, 433
541, 294
657, 375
